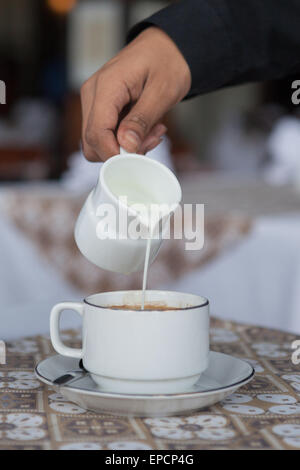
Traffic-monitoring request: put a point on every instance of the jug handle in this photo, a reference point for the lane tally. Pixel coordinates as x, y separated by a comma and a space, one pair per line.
123, 151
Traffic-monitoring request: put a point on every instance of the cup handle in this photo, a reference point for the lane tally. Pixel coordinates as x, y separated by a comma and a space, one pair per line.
54, 328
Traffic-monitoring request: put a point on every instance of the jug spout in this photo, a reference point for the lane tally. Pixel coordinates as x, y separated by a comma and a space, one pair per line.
157, 219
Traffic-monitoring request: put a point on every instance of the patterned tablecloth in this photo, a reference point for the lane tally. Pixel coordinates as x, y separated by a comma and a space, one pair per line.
264, 414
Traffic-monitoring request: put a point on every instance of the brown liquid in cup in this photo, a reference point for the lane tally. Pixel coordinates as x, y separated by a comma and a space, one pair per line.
146, 307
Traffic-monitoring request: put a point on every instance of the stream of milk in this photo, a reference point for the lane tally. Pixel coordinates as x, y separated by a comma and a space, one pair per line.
136, 195
145, 275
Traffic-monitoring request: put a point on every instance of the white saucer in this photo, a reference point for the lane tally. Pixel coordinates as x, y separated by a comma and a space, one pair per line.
222, 377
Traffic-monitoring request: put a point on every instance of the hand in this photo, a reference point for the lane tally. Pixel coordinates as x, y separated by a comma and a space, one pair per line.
124, 102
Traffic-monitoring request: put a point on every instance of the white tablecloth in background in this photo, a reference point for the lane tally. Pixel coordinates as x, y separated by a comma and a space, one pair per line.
29, 287
258, 281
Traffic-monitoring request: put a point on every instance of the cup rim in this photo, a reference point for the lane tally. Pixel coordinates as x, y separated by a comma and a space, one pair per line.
135, 156
90, 303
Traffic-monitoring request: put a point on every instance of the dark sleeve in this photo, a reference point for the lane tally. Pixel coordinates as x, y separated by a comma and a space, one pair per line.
229, 42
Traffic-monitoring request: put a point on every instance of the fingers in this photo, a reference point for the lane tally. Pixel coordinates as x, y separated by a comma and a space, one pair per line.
102, 104
102, 100
87, 96
149, 75
153, 138
136, 127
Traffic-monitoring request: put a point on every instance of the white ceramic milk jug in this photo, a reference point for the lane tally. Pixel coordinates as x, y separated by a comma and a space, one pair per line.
124, 181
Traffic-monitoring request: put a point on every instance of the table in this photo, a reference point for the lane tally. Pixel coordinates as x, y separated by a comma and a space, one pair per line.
264, 414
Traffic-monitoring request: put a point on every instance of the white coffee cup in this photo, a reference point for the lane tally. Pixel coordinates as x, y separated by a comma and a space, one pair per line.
135, 351
103, 245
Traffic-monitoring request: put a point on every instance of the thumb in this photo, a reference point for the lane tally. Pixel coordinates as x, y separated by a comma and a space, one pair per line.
135, 127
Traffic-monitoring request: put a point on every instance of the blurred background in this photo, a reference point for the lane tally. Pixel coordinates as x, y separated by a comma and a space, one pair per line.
235, 150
